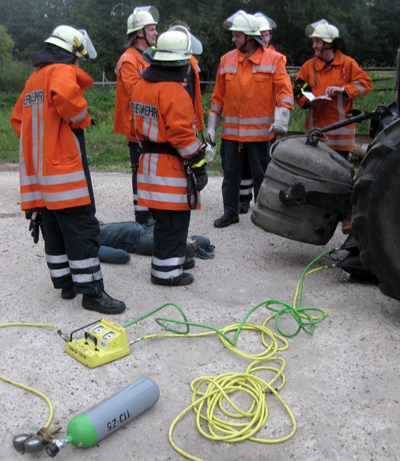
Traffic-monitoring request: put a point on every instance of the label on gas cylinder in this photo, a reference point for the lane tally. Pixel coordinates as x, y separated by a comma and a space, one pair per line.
120, 420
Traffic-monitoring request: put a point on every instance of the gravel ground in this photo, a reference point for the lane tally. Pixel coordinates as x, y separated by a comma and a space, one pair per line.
342, 382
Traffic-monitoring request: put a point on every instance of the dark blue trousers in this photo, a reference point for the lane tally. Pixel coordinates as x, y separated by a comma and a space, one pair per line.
232, 153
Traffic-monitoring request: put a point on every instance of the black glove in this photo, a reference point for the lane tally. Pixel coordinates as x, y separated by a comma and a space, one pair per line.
299, 86
35, 224
197, 166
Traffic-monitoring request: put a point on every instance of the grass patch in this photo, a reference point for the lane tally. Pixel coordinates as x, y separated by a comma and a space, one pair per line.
9, 143
109, 152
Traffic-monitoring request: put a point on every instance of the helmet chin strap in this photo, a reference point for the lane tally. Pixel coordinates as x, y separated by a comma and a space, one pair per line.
144, 37
324, 47
243, 47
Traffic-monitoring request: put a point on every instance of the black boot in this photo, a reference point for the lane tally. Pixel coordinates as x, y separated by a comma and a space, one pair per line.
226, 220
183, 279
68, 292
189, 264
244, 207
103, 303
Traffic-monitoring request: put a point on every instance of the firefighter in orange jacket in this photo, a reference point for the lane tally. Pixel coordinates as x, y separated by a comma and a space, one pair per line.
251, 82
333, 74
172, 167
192, 86
141, 33
265, 26
49, 119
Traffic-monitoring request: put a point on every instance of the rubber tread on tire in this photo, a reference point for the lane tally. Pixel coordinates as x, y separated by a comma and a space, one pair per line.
376, 210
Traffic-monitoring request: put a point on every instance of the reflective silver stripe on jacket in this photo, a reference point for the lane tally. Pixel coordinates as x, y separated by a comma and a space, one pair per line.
248, 121
286, 99
53, 180
225, 70
236, 132
66, 195
162, 197
136, 206
340, 142
77, 118
216, 108
162, 180
342, 115
149, 166
22, 167
342, 131
360, 87
186, 151
55, 196
31, 196
264, 68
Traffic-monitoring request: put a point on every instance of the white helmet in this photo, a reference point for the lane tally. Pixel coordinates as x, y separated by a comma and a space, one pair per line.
174, 48
141, 17
263, 22
73, 40
243, 22
323, 30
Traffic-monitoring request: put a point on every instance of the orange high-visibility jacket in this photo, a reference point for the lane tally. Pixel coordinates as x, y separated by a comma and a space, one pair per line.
271, 47
247, 91
198, 104
50, 164
345, 72
129, 70
163, 113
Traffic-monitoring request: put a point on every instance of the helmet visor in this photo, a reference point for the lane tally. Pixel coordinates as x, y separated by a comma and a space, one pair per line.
320, 29
240, 22
194, 44
88, 45
264, 22
152, 10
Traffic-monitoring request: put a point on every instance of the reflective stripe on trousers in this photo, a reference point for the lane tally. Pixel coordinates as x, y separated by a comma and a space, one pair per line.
71, 245
170, 235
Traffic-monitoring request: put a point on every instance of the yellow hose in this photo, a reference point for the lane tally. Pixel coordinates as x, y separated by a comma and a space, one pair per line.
217, 395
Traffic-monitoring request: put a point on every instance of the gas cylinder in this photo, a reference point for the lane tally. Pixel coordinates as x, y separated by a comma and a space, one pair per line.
104, 418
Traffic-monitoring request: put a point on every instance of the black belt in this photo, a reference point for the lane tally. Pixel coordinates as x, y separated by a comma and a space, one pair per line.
149, 147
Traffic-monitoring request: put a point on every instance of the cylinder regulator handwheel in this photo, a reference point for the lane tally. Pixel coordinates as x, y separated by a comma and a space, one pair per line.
34, 445
376, 214
19, 441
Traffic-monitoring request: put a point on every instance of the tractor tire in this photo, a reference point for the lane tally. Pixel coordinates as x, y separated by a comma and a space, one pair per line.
376, 214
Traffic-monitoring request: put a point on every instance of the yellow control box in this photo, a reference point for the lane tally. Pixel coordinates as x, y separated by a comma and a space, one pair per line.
103, 343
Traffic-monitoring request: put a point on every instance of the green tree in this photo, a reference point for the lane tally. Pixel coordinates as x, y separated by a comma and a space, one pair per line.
6, 45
